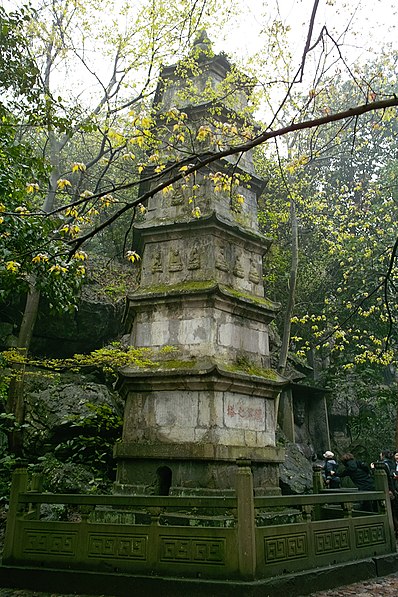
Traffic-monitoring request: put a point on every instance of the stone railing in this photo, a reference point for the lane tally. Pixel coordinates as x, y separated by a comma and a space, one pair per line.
241, 537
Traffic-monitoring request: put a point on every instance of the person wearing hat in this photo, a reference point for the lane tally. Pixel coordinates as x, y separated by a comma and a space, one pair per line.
330, 476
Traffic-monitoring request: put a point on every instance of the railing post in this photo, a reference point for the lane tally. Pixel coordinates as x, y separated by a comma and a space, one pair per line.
317, 487
317, 479
381, 484
19, 484
246, 520
36, 486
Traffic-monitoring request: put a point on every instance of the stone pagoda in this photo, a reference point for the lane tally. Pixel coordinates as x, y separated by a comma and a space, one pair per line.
208, 403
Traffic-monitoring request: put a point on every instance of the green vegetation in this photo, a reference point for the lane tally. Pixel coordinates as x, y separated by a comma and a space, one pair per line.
77, 168
94, 436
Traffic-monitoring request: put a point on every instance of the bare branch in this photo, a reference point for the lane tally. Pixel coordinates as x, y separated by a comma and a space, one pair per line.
307, 47
204, 160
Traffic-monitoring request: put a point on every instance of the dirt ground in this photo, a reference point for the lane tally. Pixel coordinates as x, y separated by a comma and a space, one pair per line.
386, 586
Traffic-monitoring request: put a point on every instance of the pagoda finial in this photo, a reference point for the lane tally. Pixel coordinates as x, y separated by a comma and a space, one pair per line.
202, 46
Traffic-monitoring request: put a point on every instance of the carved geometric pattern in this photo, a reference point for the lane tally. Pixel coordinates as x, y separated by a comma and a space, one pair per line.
117, 546
331, 540
370, 534
290, 547
193, 550
60, 543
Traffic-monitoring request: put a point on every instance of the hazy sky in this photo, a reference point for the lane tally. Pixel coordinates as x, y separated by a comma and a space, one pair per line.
369, 23
360, 27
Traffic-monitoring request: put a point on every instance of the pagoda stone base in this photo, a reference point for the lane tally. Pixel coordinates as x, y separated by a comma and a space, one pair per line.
163, 476
187, 428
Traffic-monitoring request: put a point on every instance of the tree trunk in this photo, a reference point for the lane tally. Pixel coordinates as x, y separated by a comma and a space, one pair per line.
396, 426
291, 298
16, 402
292, 291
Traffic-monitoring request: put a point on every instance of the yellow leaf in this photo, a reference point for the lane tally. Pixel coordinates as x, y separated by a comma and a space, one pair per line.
40, 258
57, 269
62, 183
146, 122
78, 167
12, 266
32, 187
80, 255
167, 189
196, 212
132, 256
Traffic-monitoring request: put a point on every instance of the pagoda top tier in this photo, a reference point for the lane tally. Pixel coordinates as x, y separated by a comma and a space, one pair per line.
203, 78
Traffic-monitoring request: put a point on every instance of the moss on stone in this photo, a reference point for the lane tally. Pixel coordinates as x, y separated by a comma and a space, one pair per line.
182, 287
198, 285
251, 369
177, 364
258, 300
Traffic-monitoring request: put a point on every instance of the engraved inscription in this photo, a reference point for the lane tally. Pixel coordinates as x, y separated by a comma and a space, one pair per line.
61, 543
193, 550
243, 413
118, 546
290, 547
369, 535
333, 540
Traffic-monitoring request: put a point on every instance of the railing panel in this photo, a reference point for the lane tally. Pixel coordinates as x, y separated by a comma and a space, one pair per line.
208, 537
138, 549
302, 546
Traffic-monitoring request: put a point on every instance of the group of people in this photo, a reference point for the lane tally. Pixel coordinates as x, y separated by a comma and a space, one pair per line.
359, 472
361, 475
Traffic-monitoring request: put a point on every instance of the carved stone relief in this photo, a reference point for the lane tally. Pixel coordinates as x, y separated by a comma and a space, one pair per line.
157, 265
177, 198
221, 262
254, 276
238, 267
194, 259
175, 263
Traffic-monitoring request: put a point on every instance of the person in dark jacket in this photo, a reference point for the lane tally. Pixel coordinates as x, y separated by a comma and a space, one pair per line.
360, 475
329, 473
394, 501
395, 470
386, 458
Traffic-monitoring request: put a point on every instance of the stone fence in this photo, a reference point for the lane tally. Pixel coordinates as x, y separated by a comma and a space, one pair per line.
242, 537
